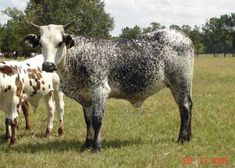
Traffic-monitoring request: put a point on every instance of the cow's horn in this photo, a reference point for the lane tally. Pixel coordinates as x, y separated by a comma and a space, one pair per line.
34, 25
67, 25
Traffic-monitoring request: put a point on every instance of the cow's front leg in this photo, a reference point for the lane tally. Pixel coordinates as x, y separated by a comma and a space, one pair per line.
100, 95
60, 110
14, 124
8, 132
51, 110
88, 113
12, 118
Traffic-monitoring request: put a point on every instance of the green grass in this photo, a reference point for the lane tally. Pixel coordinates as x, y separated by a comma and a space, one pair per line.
142, 137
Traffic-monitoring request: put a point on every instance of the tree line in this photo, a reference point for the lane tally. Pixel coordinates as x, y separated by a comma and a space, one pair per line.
90, 19
88, 16
216, 36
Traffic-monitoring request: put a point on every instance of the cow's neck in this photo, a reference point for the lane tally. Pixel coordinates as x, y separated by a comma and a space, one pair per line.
61, 67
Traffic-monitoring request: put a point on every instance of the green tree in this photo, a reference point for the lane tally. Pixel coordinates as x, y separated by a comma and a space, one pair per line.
175, 27
130, 33
229, 26
89, 16
153, 27
186, 29
216, 38
13, 30
197, 38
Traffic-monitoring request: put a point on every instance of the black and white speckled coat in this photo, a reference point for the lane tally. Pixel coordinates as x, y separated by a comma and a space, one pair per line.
95, 69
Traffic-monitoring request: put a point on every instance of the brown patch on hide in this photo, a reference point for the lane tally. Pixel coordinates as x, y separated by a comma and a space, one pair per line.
9, 70
51, 93
19, 88
37, 87
39, 69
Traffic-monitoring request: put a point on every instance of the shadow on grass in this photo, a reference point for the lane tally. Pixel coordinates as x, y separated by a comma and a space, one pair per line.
56, 145
60, 145
67, 145
3, 139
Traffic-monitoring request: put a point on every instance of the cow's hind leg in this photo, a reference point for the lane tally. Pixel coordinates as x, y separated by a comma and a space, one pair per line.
183, 97
25, 109
185, 107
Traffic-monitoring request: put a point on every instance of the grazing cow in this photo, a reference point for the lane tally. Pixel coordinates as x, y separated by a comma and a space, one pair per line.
95, 69
25, 81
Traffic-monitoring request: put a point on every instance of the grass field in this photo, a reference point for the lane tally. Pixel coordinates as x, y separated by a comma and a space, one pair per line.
142, 137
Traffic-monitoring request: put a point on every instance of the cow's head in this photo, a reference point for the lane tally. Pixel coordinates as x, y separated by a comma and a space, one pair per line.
53, 42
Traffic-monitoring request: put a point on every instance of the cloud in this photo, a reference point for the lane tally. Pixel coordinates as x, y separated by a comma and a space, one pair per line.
143, 12
167, 12
19, 4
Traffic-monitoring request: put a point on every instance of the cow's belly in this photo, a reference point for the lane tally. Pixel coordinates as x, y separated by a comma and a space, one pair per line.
137, 96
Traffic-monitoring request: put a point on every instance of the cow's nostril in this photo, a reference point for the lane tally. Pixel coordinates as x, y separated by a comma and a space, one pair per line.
48, 67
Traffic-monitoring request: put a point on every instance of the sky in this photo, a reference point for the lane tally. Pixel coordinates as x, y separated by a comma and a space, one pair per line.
143, 12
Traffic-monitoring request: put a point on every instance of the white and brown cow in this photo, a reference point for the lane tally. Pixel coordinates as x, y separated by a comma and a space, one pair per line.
25, 81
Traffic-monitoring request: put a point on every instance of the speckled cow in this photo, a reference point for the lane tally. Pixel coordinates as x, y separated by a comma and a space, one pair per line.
25, 81
95, 69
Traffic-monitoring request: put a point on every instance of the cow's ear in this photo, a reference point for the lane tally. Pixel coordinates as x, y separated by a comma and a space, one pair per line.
68, 41
9, 70
31, 40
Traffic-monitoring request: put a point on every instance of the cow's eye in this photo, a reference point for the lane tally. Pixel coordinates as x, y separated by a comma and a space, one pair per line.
59, 44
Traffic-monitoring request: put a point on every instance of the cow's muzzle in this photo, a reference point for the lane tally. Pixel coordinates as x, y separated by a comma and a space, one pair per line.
48, 67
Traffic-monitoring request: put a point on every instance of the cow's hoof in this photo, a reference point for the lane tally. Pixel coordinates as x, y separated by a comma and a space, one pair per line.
61, 131
7, 137
96, 147
184, 139
27, 127
88, 145
13, 141
47, 133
